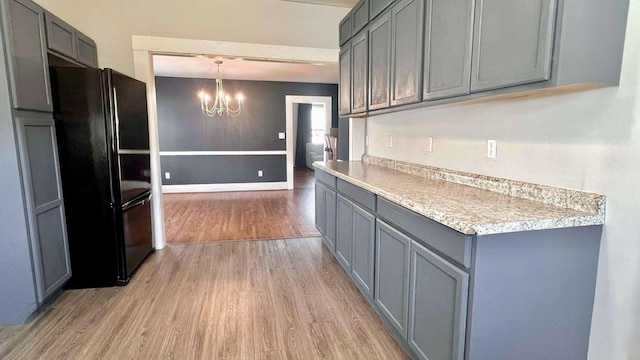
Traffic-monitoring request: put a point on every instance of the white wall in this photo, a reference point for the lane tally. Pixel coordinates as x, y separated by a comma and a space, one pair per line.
112, 23
587, 141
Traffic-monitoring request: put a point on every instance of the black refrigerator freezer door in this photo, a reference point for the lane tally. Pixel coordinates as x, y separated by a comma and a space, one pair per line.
136, 225
135, 176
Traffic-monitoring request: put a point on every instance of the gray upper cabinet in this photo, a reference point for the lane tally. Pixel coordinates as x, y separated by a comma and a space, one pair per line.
392, 275
360, 16
345, 80
447, 48
379, 62
45, 206
512, 43
23, 25
406, 49
87, 51
377, 6
437, 306
344, 232
345, 29
64, 40
61, 37
364, 236
359, 60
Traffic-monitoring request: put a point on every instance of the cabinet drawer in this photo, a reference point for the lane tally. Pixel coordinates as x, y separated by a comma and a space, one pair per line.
447, 241
326, 178
363, 197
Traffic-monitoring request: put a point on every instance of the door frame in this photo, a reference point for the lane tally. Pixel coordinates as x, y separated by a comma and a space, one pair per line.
295, 99
145, 47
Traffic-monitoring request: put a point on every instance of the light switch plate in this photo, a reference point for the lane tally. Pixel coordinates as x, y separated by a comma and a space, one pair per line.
429, 144
260, 173
390, 141
281, 136
167, 175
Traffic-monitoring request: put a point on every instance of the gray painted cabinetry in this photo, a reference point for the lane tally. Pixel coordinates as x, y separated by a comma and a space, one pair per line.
63, 39
445, 295
326, 214
518, 56
344, 93
34, 254
359, 59
452, 50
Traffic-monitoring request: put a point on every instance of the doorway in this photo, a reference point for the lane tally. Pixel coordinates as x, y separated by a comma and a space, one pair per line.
317, 124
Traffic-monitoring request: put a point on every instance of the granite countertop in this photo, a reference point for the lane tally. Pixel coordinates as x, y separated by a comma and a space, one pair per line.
471, 209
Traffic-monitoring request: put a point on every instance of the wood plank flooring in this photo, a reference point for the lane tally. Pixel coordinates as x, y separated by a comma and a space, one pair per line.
278, 299
247, 215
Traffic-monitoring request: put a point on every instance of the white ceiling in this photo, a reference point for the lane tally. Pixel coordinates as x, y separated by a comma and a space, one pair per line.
341, 3
239, 69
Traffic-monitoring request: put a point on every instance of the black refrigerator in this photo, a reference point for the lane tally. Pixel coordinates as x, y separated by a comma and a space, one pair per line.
103, 143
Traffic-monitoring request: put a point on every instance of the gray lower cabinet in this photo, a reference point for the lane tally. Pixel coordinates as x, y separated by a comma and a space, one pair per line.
379, 62
392, 275
406, 51
45, 206
330, 218
24, 37
364, 227
511, 46
344, 232
447, 48
437, 306
321, 222
359, 64
345, 80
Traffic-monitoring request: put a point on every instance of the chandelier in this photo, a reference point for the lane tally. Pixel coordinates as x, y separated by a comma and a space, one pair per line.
219, 106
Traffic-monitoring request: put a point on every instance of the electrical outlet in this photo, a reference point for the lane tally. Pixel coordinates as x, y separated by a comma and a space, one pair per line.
281, 136
167, 175
429, 144
390, 141
259, 173
492, 149
366, 140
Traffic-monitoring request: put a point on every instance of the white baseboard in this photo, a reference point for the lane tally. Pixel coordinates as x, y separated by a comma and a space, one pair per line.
169, 189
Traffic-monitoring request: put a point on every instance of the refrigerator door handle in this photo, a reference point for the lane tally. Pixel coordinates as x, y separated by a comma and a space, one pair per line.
117, 118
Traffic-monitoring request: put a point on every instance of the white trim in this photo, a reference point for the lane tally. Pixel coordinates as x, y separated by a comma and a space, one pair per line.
290, 100
195, 188
144, 47
133, 152
221, 153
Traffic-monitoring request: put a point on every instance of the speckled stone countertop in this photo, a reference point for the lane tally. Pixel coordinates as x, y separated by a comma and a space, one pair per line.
470, 203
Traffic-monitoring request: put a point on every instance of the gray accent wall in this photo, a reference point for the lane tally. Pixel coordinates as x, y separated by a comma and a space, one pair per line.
224, 169
183, 127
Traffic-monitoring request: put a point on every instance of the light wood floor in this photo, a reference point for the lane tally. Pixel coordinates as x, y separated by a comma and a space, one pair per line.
279, 299
247, 215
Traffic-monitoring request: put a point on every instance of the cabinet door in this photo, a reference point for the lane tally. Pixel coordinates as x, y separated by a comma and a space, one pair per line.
87, 51
512, 42
24, 36
447, 48
437, 306
392, 275
377, 6
345, 29
321, 222
344, 233
364, 237
45, 207
330, 219
360, 15
379, 62
61, 37
360, 63
345, 79
406, 51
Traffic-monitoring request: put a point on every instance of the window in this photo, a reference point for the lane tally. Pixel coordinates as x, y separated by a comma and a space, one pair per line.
317, 124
